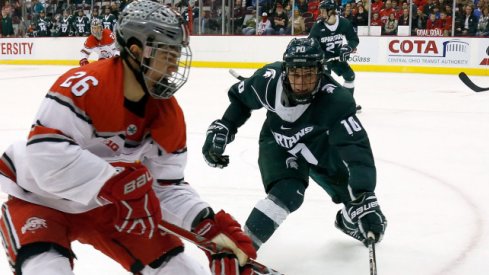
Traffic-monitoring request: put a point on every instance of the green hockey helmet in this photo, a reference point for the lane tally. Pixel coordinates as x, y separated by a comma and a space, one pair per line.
302, 66
328, 5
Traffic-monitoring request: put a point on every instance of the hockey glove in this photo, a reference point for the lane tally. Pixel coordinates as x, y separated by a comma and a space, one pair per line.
226, 263
366, 214
219, 134
345, 52
131, 191
83, 62
343, 223
234, 246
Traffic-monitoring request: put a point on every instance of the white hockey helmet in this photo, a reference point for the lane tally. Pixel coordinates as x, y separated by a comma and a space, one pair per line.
157, 29
96, 28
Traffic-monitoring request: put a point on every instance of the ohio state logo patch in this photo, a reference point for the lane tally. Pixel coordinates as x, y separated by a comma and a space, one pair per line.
33, 224
131, 129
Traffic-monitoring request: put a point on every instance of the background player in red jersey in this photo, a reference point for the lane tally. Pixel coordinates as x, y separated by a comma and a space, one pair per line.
100, 41
104, 163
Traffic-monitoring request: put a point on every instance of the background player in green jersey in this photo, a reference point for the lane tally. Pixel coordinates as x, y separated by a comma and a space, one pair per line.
331, 30
311, 130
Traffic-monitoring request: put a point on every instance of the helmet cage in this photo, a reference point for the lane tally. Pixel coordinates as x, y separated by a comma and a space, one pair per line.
174, 68
96, 28
302, 53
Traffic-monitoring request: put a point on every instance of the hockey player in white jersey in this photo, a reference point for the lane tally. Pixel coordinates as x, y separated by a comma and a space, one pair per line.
101, 41
104, 162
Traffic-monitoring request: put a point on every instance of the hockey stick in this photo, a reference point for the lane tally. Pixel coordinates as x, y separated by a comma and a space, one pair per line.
371, 253
236, 75
332, 59
466, 80
206, 244
241, 78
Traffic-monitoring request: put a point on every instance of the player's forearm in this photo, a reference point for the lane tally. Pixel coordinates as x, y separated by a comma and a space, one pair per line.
63, 169
362, 178
237, 112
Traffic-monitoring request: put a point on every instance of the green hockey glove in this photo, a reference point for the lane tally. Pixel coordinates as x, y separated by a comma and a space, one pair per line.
365, 212
219, 134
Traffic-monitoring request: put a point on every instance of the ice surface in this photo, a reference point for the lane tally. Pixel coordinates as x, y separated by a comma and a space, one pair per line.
429, 134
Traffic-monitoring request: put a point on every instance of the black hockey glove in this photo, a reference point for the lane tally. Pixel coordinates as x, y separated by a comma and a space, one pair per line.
345, 52
365, 212
219, 134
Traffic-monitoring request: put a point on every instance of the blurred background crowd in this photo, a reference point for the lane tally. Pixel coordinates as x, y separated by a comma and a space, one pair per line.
58, 18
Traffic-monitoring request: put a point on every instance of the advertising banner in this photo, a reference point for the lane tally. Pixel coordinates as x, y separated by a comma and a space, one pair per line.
428, 51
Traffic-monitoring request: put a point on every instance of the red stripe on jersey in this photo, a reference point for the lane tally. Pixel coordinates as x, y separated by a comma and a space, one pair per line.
41, 130
7, 171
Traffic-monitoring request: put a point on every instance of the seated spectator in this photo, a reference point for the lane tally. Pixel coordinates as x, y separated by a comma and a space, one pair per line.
377, 6
264, 26
43, 25
280, 20
468, 26
445, 23
108, 19
361, 17
299, 24
404, 18
486, 31
114, 9
448, 9
479, 6
313, 8
390, 26
264, 4
301, 5
81, 24
436, 11
433, 23
37, 7
95, 14
347, 13
397, 9
386, 11
419, 21
428, 7
376, 20
483, 21
6, 26
65, 25
249, 27
208, 25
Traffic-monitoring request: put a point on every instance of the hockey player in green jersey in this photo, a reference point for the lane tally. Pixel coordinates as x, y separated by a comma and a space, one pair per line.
310, 130
329, 30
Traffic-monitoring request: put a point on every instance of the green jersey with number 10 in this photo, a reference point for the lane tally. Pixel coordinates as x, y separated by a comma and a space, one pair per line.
325, 132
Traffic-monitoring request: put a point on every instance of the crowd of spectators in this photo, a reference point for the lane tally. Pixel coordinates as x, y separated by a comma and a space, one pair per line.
41, 18
296, 17
44, 18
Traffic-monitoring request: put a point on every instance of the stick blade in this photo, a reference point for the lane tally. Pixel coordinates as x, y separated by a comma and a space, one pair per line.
466, 80
236, 75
